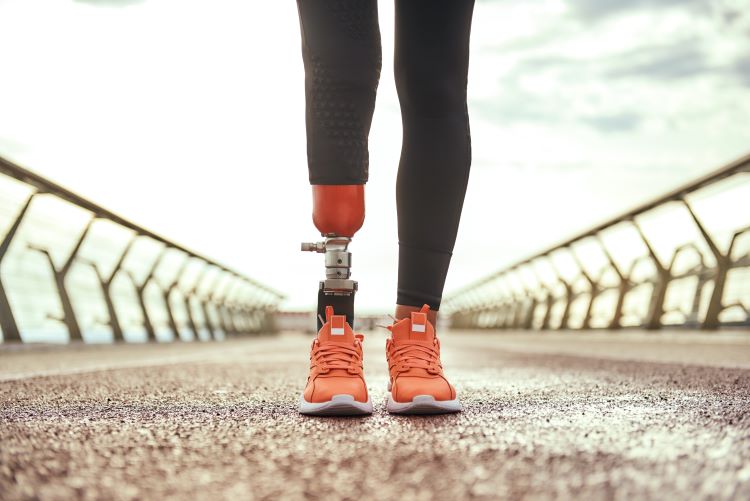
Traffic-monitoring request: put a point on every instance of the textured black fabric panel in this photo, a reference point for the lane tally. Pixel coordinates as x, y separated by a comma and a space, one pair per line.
342, 57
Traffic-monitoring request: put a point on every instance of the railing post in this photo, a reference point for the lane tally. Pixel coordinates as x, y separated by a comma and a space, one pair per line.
247, 313
258, 310
106, 285
715, 307
569, 296
549, 298
525, 315
594, 290
261, 315
140, 290
7, 320
623, 287
741, 261
503, 305
663, 276
167, 292
207, 301
226, 306
246, 307
517, 301
217, 299
233, 307
528, 322
188, 295
69, 314
699, 271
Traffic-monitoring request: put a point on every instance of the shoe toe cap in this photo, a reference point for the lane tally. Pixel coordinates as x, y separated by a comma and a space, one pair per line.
407, 387
323, 389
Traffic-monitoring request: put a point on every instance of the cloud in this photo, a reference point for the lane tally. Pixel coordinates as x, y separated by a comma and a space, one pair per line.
661, 67
678, 59
596, 10
514, 106
741, 70
682, 59
618, 122
732, 14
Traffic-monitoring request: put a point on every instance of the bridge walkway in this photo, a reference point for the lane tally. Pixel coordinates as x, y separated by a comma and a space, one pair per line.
584, 415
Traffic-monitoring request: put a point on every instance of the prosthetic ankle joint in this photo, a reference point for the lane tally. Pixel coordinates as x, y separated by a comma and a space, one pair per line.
338, 288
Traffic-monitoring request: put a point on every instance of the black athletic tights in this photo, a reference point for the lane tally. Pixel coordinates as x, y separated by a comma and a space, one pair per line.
342, 57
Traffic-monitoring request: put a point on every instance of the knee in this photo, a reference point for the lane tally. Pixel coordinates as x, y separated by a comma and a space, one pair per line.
431, 92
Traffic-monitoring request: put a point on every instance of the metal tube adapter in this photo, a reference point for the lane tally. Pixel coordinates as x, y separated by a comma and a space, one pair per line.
338, 288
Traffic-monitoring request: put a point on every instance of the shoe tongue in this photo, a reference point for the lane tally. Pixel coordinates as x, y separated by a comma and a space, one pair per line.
336, 329
415, 327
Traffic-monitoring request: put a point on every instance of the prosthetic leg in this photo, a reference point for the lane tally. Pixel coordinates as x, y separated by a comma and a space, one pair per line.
338, 212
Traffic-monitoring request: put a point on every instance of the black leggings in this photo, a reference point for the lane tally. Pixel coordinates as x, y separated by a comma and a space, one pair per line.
342, 57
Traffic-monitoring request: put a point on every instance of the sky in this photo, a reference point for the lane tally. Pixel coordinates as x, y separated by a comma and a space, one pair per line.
187, 117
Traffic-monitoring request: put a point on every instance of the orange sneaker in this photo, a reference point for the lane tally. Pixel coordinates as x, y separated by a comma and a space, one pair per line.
417, 384
336, 385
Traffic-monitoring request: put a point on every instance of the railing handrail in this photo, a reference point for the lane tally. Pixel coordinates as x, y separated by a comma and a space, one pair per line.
26, 176
739, 165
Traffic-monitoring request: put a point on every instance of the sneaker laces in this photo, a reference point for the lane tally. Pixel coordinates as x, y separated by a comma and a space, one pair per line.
415, 355
333, 355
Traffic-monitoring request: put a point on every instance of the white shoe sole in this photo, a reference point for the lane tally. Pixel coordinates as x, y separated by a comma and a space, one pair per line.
423, 404
339, 405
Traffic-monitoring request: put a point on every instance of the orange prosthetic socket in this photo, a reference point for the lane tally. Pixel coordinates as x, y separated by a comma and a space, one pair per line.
338, 209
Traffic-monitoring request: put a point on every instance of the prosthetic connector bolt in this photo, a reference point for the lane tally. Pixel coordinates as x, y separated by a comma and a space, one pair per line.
337, 258
337, 289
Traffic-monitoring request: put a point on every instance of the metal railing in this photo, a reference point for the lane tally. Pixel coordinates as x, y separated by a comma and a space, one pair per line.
69, 265
682, 259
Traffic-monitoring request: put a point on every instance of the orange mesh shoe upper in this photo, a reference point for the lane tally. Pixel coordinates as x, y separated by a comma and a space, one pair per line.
336, 362
413, 354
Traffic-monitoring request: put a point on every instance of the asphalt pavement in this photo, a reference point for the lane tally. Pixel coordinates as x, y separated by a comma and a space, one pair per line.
563, 415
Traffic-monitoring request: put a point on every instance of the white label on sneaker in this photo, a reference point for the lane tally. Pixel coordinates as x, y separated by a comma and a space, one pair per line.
337, 325
418, 321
